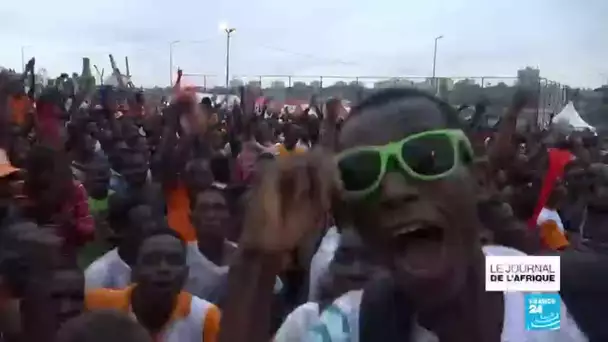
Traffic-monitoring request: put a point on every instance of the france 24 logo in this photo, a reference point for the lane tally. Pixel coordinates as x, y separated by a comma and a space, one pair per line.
543, 311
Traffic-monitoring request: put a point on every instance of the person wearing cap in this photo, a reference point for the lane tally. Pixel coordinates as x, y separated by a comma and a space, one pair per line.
6, 168
7, 177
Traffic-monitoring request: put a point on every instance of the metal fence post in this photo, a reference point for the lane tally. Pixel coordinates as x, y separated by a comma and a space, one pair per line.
321, 85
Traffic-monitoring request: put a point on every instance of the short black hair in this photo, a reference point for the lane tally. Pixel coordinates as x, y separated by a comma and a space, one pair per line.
266, 156
163, 229
213, 188
44, 159
103, 326
138, 211
119, 206
385, 96
206, 101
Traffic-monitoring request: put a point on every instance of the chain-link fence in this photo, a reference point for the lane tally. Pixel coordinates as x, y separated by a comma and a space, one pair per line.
144, 61
495, 91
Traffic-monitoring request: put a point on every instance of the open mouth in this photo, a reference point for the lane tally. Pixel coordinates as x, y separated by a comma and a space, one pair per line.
420, 248
162, 284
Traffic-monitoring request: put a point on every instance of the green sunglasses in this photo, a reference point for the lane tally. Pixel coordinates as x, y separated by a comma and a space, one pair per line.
425, 156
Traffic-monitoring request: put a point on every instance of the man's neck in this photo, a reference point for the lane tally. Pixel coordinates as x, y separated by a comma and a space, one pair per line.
152, 313
472, 315
100, 196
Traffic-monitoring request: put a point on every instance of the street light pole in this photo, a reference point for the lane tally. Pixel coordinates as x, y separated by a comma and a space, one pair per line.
22, 59
435, 62
228, 31
171, 62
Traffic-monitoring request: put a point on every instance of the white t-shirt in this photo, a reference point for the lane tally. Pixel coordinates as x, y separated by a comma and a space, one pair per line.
345, 310
550, 215
108, 271
298, 322
320, 261
206, 279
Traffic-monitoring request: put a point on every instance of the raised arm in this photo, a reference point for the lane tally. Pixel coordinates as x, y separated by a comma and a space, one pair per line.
178, 83
502, 151
276, 222
328, 126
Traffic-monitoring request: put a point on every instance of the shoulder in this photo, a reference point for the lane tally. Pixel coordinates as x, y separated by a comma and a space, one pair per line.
340, 320
203, 308
105, 260
544, 213
207, 315
96, 272
347, 306
547, 214
298, 322
107, 299
497, 250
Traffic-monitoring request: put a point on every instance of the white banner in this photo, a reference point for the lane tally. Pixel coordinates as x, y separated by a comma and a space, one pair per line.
523, 273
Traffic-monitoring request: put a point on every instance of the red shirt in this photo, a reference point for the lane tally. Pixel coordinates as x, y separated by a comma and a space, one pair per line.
558, 159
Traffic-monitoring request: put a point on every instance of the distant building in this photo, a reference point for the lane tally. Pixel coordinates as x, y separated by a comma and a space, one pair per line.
528, 77
277, 84
112, 80
235, 83
254, 84
427, 85
394, 82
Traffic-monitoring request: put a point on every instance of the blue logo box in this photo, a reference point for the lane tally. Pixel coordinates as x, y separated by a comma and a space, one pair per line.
543, 311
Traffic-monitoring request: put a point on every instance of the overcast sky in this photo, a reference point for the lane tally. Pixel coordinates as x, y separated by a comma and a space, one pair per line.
567, 40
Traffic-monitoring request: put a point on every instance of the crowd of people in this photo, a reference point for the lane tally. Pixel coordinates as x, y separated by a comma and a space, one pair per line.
193, 222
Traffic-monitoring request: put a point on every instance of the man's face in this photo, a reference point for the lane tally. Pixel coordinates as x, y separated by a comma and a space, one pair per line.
142, 220
291, 137
135, 169
97, 180
161, 265
210, 214
198, 174
89, 143
424, 231
352, 264
92, 129
66, 290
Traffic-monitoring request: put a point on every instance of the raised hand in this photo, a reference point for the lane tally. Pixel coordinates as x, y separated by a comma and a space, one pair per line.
333, 107
289, 201
30, 65
521, 98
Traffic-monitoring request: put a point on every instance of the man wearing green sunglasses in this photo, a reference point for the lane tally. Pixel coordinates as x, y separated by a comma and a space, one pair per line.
407, 188
425, 156
405, 170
